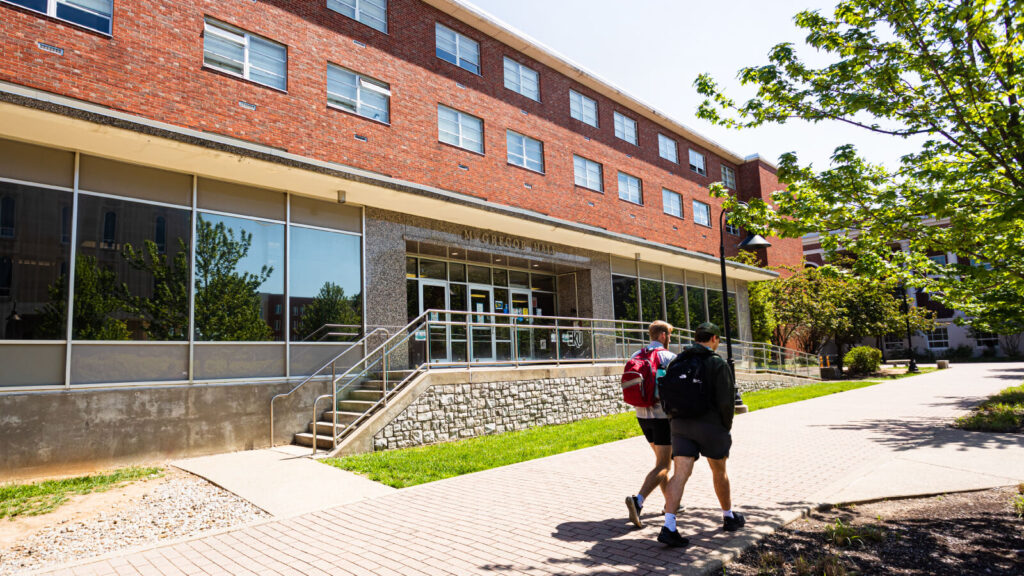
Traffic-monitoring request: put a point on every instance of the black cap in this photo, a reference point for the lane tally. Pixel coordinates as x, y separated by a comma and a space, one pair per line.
709, 328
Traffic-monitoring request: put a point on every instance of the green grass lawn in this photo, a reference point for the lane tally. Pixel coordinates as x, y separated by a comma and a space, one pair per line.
1003, 412
411, 466
42, 497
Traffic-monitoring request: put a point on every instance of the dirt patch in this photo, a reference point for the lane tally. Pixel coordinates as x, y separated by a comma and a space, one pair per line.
955, 534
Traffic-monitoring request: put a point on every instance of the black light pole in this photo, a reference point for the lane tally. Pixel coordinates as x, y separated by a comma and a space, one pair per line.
912, 367
750, 242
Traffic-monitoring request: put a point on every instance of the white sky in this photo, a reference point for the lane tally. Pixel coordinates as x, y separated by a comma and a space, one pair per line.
654, 49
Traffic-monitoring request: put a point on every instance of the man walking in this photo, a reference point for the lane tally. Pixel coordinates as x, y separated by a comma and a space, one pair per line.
654, 424
706, 434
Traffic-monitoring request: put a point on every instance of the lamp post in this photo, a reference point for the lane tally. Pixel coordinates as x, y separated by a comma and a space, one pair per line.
912, 366
752, 241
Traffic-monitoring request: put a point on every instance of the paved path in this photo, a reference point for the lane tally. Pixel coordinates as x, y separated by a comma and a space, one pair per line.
283, 481
564, 514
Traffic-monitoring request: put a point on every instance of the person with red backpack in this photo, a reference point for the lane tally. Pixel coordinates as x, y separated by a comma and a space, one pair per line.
639, 389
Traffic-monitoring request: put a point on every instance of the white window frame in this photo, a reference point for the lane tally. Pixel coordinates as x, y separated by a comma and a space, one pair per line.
698, 163
631, 187
625, 128
936, 338
363, 84
893, 341
666, 194
731, 229
519, 151
461, 41
582, 171
520, 72
245, 39
356, 6
580, 105
728, 177
701, 213
668, 148
51, 11
461, 118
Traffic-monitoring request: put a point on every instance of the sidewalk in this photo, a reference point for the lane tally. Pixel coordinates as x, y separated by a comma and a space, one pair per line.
564, 514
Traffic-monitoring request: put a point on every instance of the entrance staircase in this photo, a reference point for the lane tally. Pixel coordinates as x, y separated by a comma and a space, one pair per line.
358, 404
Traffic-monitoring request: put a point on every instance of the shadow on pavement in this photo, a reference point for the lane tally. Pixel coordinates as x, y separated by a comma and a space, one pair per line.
904, 435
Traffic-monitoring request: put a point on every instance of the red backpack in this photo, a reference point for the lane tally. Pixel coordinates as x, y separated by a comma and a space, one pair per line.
639, 379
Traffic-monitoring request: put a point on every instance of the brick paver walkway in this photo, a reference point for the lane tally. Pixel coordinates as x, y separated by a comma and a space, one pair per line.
564, 514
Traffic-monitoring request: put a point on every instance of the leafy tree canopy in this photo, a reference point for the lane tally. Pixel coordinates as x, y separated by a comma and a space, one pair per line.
948, 72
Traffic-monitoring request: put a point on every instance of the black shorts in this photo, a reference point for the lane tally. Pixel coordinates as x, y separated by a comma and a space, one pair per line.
694, 438
656, 430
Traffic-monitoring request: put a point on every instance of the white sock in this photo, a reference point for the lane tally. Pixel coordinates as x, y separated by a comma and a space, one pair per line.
639, 500
727, 513
670, 522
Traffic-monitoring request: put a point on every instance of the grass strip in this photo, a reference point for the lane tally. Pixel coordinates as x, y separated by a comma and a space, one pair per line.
412, 466
42, 497
1002, 412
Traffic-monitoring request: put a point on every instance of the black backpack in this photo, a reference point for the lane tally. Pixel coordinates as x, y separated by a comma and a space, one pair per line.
683, 391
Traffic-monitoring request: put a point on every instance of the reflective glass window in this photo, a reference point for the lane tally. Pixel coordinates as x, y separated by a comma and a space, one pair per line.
358, 94
582, 108
517, 279
650, 298
460, 129
698, 314
92, 14
521, 79
326, 284
624, 298
433, 269
373, 13
457, 272
675, 304
543, 282
479, 275
457, 48
236, 51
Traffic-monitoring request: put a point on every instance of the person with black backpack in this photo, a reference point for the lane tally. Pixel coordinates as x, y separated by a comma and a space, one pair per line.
639, 389
697, 393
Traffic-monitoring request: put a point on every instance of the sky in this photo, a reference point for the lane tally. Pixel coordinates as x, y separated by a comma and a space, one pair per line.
655, 49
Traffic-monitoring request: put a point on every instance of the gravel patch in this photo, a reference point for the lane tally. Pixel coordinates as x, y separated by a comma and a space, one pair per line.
181, 506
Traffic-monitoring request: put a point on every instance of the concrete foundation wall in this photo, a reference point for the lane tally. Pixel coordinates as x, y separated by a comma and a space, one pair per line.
61, 433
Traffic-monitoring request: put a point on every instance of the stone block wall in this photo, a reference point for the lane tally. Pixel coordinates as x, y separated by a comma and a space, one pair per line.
453, 411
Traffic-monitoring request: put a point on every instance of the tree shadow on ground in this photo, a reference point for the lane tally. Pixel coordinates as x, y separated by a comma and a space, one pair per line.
906, 435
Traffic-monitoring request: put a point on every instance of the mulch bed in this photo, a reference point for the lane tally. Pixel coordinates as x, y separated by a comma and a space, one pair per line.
954, 534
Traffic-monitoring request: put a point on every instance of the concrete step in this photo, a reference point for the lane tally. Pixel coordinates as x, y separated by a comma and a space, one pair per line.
326, 427
370, 395
343, 417
355, 405
375, 384
306, 439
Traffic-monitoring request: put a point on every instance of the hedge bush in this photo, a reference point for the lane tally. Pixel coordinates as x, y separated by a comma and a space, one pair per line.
863, 360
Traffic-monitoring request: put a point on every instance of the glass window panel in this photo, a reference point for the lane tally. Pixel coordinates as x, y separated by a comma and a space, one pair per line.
479, 275
701, 213
457, 272
500, 277
517, 279
625, 128
675, 304
624, 298
37, 5
582, 108
630, 188
667, 148
326, 285
673, 203
456, 48
94, 14
125, 287
729, 177
715, 312
239, 278
650, 298
698, 314
543, 282
373, 13
33, 263
588, 173
697, 162
433, 269
410, 268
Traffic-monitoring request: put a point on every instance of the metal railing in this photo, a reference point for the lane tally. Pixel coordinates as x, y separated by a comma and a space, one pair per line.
460, 339
333, 331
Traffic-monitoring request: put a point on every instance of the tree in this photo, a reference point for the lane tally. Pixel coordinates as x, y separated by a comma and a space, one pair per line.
98, 299
949, 73
330, 306
166, 311
1003, 316
227, 302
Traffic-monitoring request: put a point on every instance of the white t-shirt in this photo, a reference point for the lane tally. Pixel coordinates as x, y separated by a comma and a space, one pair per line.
664, 359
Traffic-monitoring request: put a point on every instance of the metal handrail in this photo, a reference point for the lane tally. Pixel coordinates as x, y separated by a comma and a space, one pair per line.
329, 334
330, 363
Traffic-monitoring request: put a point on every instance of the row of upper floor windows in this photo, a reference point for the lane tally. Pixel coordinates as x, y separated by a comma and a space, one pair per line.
239, 52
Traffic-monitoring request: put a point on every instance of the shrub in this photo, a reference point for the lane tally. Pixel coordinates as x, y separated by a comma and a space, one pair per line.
863, 360
962, 352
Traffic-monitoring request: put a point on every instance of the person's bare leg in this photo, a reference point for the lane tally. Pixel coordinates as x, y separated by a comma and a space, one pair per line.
683, 469
658, 476
721, 480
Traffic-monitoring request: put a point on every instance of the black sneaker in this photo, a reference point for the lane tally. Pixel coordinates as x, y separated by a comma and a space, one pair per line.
672, 539
634, 508
735, 523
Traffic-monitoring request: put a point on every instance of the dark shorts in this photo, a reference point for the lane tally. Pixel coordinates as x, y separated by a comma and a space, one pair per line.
696, 438
656, 430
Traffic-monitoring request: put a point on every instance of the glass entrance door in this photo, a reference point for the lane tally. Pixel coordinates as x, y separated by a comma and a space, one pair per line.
481, 304
524, 335
434, 295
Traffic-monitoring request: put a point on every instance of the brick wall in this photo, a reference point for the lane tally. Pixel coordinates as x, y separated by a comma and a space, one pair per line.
153, 66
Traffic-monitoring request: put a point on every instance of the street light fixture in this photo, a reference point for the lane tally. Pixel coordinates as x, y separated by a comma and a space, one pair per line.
751, 242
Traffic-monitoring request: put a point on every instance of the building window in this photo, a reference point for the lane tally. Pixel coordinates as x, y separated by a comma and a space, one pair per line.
460, 129
519, 78
65, 224
160, 234
373, 13
6, 275
92, 14
731, 229
7, 217
673, 203
358, 94
625, 128
630, 188
986, 339
939, 259
243, 54
582, 108
588, 173
109, 230
667, 148
457, 49
525, 151
702, 213
697, 163
894, 342
938, 338
728, 177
